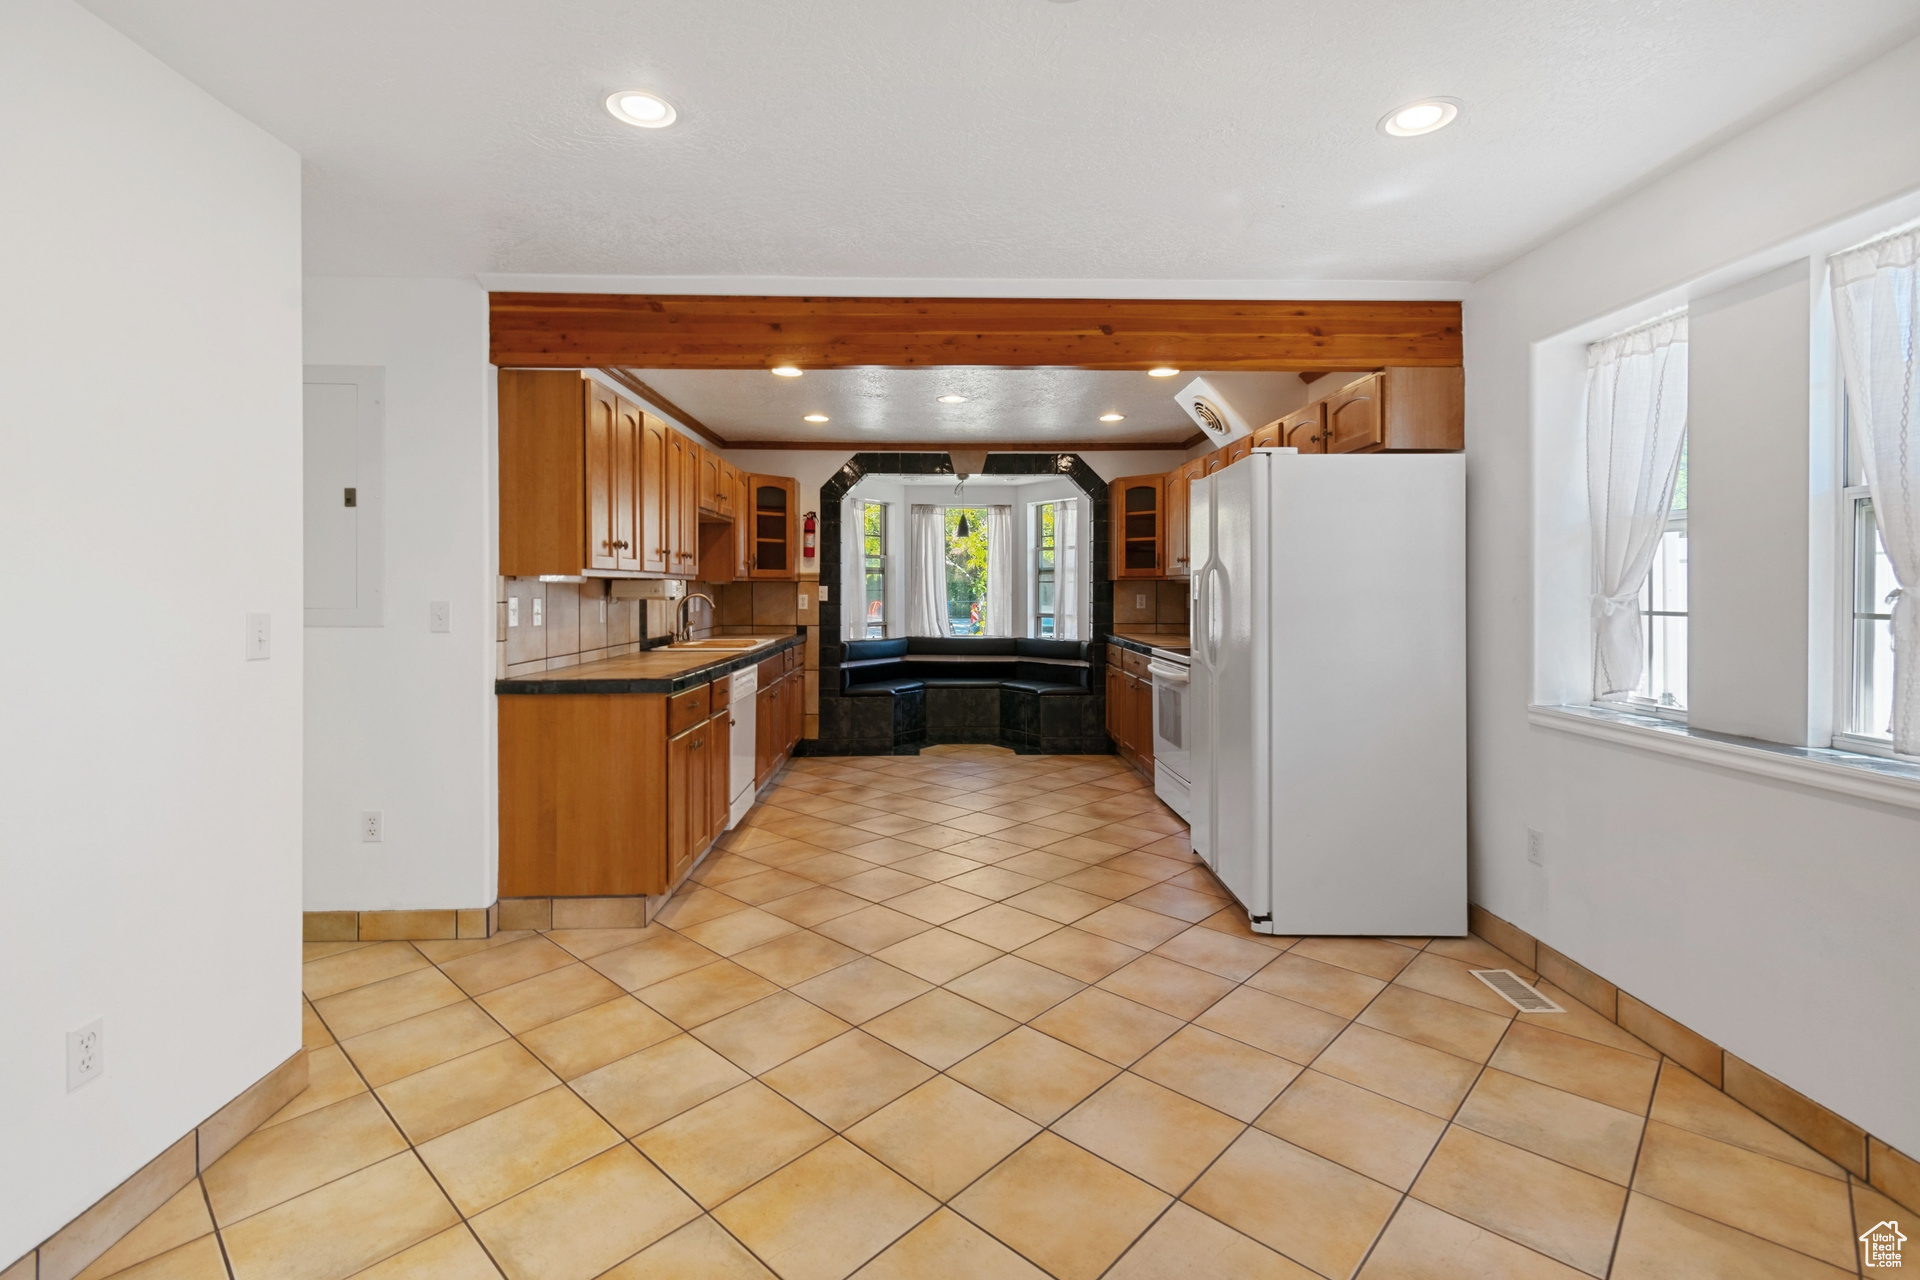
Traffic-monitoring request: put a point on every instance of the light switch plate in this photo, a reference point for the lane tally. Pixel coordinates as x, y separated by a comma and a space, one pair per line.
440, 615
259, 637
513, 611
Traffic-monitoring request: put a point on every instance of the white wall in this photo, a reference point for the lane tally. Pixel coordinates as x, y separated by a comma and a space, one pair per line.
1775, 919
151, 453
398, 718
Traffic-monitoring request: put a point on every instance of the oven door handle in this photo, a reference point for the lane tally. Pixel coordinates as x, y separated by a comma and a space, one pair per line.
1169, 672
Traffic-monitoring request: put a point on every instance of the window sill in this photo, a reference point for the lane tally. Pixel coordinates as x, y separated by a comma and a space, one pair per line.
1863, 777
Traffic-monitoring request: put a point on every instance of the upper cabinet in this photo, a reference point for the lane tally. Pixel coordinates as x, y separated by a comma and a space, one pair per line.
775, 527
1137, 513
1410, 409
1179, 494
1304, 429
592, 484
1416, 410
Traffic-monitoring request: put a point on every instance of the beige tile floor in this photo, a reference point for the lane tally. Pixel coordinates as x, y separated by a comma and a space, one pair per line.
973, 1015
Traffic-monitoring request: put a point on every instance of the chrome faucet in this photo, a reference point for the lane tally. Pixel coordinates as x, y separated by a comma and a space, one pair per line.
683, 629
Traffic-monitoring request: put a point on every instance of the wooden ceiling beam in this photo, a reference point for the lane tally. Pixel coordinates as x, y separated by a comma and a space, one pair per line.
578, 330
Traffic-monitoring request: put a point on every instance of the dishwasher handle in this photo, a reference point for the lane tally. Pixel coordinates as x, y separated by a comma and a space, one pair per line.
1170, 672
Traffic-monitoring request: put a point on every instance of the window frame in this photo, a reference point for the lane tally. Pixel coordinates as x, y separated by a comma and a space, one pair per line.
1853, 492
869, 566
1635, 702
1048, 575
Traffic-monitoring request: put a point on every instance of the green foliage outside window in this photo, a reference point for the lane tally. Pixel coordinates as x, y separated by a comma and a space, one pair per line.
967, 572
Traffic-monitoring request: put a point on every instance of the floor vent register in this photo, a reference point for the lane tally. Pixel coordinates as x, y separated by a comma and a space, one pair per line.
1508, 986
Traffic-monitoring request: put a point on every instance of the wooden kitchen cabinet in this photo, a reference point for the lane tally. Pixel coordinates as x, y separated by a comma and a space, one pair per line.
654, 530
1213, 461
726, 479
1137, 512
686, 799
1179, 512
572, 476
698, 763
1238, 449
1140, 719
1399, 409
1267, 437
689, 562
775, 530
1305, 429
602, 409
621, 794
719, 749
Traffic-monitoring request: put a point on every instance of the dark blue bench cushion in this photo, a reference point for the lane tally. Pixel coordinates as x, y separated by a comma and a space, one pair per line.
964, 682
863, 650
1072, 650
978, 646
874, 688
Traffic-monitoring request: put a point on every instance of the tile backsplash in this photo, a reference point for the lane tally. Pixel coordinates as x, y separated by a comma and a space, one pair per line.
1151, 604
545, 626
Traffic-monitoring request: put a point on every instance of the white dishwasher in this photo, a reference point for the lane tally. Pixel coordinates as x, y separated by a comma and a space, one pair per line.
741, 720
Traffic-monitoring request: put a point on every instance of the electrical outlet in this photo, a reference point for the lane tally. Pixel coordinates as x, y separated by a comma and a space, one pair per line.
1536, 850
803, 600
823, 594
537, 602
1140, 600
440, 615
513, 611
86, 1054
259, 637
373, 825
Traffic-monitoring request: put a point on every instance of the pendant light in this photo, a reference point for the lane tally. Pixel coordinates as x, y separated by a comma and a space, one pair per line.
962, 530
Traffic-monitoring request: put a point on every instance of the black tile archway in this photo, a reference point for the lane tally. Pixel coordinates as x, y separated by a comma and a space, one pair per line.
835, 716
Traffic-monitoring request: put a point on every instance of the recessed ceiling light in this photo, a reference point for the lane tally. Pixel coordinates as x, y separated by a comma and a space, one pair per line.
1113, 417
816, 417
643, 109
785, 371
952, 399
1420, 117
1162, 371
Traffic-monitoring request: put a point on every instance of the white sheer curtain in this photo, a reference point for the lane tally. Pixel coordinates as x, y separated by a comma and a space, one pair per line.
926, 571
1876, 308
1000, 549
1066, 570
1636, 423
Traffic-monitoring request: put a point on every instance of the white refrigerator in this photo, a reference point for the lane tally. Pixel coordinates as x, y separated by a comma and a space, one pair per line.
1328, 690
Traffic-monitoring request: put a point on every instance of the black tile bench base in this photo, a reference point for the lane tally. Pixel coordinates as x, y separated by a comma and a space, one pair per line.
984, 694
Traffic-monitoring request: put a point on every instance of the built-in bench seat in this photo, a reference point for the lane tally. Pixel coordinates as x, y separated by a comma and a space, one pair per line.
1031, 695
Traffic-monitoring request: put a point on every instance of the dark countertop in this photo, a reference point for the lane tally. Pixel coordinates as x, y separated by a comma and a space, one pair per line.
1146, 642
667, 669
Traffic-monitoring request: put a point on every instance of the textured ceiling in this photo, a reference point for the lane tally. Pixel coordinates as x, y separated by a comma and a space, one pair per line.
984, 138
1004, 406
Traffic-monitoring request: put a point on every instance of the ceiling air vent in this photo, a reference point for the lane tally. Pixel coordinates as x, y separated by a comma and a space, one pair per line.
1509, 987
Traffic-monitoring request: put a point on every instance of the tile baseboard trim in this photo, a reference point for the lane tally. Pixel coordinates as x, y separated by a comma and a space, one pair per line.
398, 926
73, 1248
1888, 1170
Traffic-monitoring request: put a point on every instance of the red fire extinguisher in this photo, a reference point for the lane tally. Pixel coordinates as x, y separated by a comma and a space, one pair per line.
807, 526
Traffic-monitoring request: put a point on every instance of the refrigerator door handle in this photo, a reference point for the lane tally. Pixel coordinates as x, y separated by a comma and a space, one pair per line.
1202, 642
1213, 623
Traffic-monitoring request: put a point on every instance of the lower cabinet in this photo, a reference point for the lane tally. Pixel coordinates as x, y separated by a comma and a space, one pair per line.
697, 769
612, 794
1130, 713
